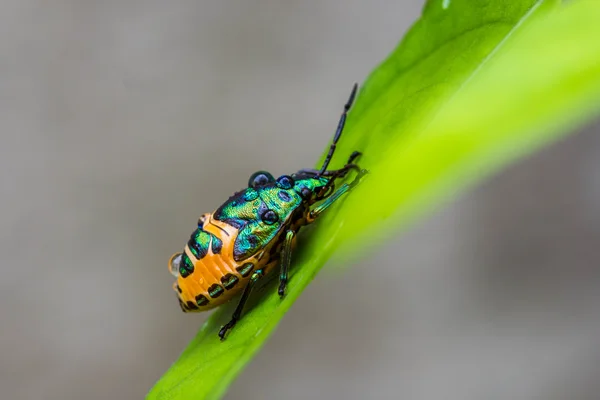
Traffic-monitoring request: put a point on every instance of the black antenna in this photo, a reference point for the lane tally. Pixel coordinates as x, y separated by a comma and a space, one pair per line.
339, 130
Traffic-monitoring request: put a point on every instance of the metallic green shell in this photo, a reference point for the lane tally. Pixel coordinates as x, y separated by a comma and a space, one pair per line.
261, 213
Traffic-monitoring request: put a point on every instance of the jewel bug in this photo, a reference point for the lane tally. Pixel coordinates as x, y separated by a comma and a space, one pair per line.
235, 246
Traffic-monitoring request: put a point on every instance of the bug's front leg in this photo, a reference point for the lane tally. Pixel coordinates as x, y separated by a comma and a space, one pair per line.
314, 213
286, 258
237, 314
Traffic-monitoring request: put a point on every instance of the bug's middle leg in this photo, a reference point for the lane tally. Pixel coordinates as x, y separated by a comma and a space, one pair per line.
237, 314
286, 258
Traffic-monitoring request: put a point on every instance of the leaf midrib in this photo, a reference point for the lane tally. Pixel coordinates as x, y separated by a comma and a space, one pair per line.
492, 53
367, 109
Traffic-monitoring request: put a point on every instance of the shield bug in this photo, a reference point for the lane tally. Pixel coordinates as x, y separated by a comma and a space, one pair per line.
235, 246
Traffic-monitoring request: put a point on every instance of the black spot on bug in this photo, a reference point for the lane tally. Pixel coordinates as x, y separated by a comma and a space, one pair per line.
260, 178
235, 222
191, 305
198, 243
285, 196
229, 281
285, 182
245, 269
269, 217
179, 289
252, 240
183, 307
185, 266
215, 291
201, 300
195, 248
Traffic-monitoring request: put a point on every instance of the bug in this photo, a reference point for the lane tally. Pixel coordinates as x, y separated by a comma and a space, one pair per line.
242, 241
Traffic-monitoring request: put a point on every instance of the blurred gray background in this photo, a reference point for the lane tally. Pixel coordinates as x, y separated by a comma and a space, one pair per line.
123, 121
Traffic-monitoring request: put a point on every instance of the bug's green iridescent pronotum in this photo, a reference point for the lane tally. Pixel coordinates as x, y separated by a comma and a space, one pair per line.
253, 231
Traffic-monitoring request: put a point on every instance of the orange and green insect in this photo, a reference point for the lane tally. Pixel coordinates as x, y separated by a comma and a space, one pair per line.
252, 232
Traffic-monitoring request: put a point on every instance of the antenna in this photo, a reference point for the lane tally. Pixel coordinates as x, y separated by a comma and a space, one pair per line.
339, 130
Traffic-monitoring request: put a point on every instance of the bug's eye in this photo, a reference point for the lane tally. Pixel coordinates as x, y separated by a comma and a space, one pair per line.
306, 193
174, 263
285, 182
260, 178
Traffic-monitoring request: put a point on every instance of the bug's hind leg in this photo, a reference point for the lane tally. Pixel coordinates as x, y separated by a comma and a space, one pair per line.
286, 258
237, 314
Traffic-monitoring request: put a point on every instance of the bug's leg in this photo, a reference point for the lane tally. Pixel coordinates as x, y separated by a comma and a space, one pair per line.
314, 213
353, 156
344, 171
331, 172
286, 258
237, 314
337, 172
349, 165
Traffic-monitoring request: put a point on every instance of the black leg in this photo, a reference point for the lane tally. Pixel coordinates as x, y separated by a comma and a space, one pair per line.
339, 129
336, 172
237, 314
340, 173
314, 213
353, 156
286, 258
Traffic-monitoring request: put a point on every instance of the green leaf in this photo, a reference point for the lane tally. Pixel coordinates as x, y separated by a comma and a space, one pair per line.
474, 85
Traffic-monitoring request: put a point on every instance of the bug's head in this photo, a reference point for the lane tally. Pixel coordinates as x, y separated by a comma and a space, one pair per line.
310, 187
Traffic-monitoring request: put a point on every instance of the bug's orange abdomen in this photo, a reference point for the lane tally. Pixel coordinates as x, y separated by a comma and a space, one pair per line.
216, 277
